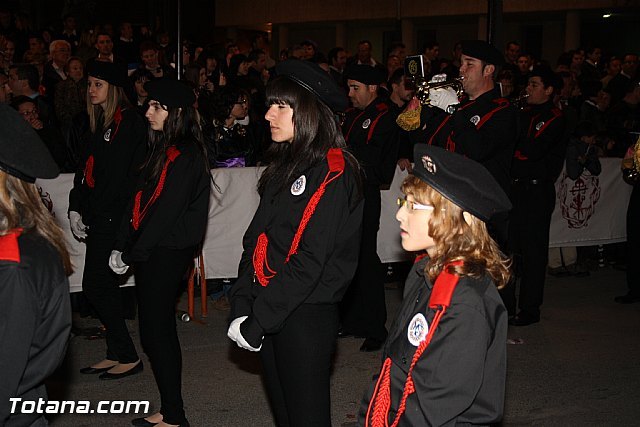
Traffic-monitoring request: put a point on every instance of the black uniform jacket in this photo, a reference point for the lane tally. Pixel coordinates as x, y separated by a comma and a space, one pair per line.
177, 219
542, 145
324, 264
372, 137
109, 169
460, 378
483, 130
35, 320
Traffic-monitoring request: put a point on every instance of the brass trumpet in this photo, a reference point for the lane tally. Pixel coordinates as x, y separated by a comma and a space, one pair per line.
423, 88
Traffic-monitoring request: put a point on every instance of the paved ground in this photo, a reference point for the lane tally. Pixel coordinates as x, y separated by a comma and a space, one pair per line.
578, 366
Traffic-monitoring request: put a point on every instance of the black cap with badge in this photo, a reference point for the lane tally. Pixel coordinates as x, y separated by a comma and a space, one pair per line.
112, 73
317, 81
365, 74
463, 181
22, 152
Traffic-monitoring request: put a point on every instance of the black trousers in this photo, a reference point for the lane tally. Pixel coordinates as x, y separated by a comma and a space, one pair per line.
529, 225
297, 366
363, 311
101, 287
633, 241
158, 283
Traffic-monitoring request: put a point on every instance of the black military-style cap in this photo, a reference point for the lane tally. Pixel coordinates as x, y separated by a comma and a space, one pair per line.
317, 81
22, 152
483, 51
170, 93
365, 74
463, 181
112, 73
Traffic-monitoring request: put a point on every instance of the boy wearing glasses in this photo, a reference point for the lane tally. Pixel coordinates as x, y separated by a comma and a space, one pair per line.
444, 361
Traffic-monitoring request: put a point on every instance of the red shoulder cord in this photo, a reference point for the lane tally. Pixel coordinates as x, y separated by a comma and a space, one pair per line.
88, 168
335, 159
88, 173
9, 249
440, 299
137, 215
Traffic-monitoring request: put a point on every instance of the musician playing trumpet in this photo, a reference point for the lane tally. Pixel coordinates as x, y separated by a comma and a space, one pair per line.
479, 124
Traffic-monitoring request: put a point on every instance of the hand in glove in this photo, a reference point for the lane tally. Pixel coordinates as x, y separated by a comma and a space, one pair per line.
444, 98
77, 226
235, 334
116, 264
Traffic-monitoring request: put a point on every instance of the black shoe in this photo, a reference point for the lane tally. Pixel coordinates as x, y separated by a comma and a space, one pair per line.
135, 370
627, 299
90, 370
142, 422
523, 319
371, 344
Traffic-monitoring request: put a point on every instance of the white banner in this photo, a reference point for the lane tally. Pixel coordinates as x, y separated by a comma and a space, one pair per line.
589, 211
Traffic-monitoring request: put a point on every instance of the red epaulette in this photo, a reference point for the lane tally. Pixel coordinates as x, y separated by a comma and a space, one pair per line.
9, 248
382, 107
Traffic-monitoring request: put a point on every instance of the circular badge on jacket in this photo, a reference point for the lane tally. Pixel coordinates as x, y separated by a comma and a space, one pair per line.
539, 125
107, 135
475, 120
366, 123
298, 186
417, 330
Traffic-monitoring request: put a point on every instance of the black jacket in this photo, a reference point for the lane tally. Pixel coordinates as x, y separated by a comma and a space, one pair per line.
102, 191
35, 319
460, 378
177, 219
324, 264
483, 130
372, 136
542, 144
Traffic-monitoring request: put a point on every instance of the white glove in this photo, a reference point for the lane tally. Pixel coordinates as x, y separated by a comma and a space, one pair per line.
77, 226
235, 334
116, 264
444, 98
438, 78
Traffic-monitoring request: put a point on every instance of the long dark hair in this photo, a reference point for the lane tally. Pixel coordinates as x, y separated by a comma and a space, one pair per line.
181, 124
316, 130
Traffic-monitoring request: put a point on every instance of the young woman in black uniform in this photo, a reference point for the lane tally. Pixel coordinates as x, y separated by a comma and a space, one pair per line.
444, 362
35, 310
301, 248
160, 234
102, 188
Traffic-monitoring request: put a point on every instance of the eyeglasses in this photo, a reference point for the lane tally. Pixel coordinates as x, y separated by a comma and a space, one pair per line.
29, 113
412, 206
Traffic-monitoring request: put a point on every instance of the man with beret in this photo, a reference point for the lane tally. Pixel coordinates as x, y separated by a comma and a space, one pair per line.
35, 309
371, 135
537, 163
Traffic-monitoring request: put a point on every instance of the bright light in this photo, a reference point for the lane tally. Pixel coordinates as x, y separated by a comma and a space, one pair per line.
606, 15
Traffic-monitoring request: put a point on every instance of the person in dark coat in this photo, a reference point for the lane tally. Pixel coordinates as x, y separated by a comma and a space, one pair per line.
103, 185
301, 248
161, 232
35, 309
444, 362
537, 163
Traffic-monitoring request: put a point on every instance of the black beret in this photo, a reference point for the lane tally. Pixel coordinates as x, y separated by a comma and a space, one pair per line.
550, 78
365, 74
317, 81
112, 73
463, 181
22, 152
170, 93
483, 51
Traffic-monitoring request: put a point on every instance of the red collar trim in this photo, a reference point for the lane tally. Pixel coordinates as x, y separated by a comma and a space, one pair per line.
9, 248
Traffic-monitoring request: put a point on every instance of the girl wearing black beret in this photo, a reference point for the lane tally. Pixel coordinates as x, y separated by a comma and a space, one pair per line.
103, 185
444, 362
161, 232
301, 248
